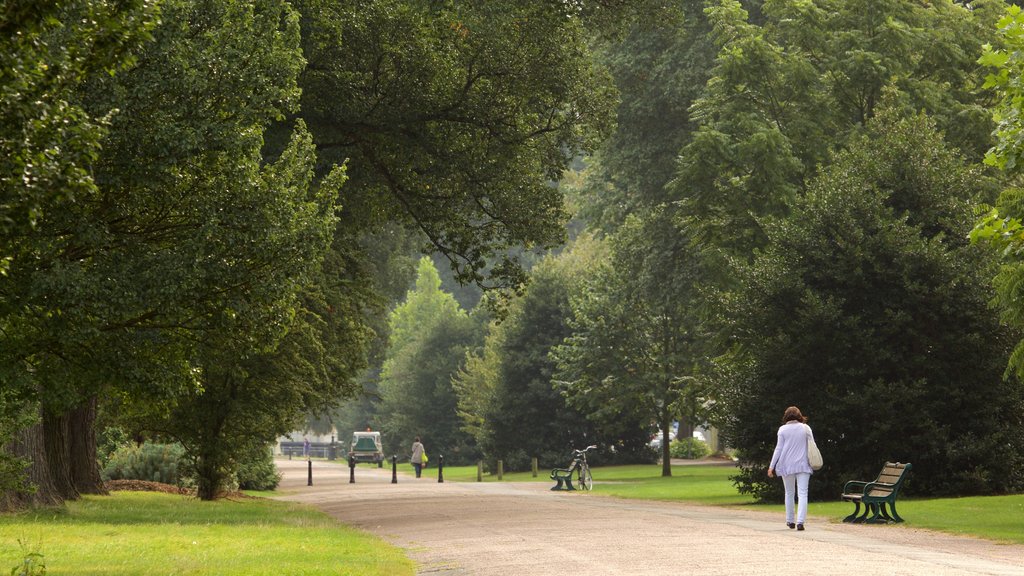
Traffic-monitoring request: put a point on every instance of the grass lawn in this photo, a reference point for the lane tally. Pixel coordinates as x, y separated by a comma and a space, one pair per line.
142, 533
993, 517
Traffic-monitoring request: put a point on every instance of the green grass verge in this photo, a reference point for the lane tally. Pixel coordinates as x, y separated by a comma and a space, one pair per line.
139, 533
998, 518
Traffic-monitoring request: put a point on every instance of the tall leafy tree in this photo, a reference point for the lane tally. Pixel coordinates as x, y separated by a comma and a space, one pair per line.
47, 143
430, 335
506, 391
869, 311
189, 245
636, 342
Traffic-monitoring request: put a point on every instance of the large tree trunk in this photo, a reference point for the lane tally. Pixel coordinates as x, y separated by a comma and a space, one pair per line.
29, 444
56, 433
209, 478
85, 467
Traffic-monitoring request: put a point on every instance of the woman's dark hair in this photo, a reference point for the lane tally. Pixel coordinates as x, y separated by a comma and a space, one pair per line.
417, 438
793, 413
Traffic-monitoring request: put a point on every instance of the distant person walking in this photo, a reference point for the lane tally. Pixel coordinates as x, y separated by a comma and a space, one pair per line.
305, 447
790, 462
417, 456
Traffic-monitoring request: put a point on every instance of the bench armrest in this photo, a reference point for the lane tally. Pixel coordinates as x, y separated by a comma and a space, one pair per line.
854, 485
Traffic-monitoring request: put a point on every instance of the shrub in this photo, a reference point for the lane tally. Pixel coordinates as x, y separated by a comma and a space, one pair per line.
689, 448
153, 462
256, 469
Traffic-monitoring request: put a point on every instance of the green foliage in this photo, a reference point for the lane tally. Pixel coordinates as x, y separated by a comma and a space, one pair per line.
430, 335
660, 66
689, 448
454, 117
1001, 228
1007, 59
868, 310
636, 339
109, 441
788, 91
149, 461
256, 469
506, 395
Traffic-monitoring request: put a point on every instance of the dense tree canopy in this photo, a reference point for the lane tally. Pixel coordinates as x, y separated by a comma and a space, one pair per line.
869, 311
211, 212
454, 117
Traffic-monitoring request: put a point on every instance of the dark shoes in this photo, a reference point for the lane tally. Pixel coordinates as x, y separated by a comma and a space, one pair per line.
790, 525
799, 526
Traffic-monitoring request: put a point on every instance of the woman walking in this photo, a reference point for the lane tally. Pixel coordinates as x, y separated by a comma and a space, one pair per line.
417, 456
790, 462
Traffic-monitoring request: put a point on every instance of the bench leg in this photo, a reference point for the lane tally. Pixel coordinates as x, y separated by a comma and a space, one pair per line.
895, 516
564, 483
863, 517
856, 509
878, 514
884, 512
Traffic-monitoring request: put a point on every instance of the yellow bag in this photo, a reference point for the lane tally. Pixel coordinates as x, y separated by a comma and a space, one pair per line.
423, 459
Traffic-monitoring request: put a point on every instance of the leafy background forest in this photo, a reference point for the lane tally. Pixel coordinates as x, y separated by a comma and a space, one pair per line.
511, 228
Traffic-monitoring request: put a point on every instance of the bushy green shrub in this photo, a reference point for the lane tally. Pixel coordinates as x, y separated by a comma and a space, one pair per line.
153, 462
256, 469
689, 448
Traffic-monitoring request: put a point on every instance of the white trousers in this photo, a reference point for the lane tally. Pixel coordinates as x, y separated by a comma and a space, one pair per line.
796, 485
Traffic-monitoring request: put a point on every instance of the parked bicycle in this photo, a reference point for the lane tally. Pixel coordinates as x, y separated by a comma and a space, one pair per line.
584, 479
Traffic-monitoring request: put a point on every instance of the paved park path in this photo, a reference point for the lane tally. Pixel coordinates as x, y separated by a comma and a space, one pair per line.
524, 528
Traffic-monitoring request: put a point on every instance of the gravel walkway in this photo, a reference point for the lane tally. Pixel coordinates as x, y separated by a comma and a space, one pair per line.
524, 528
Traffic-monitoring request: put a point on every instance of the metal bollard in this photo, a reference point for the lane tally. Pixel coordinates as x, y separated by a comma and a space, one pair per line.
309, 482
501, 469
440, 468
533, 464
351, 469
394, 469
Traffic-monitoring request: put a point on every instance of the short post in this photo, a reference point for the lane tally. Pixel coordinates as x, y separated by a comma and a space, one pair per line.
394, 469
309, 482
440, 468
351, 469
289, 454
533, 465
479, 470
501, 469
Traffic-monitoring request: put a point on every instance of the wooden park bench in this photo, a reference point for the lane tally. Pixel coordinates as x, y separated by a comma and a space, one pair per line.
564, 475
876, 495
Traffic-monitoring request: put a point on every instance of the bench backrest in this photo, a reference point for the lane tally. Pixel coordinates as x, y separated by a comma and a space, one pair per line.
892, 473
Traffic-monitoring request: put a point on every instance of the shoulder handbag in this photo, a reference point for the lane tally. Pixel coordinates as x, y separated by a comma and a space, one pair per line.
813, 454
423, 459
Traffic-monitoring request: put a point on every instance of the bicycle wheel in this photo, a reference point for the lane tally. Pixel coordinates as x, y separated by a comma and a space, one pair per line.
586, 481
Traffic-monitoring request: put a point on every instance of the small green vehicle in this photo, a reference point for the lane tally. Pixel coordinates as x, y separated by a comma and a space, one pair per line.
366, 447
